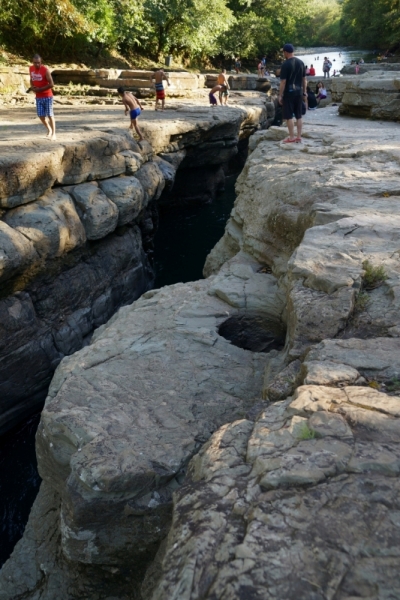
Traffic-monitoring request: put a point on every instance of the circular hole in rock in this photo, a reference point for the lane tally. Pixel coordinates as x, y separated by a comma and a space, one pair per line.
253, 333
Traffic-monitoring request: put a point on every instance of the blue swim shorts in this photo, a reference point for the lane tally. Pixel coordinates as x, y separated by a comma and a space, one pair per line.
135, 113
44, 107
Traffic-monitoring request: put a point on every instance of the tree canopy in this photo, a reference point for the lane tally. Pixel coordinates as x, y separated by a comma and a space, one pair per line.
193, 29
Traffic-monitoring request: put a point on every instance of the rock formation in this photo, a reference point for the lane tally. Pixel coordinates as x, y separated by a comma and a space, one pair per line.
76, 231
372, 95
283, 362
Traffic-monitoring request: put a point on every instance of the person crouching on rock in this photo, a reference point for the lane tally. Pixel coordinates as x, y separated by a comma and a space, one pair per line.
215, 89
159, 76
42, 84
133, 106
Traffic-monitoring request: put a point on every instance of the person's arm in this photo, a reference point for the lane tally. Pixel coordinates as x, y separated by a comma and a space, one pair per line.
281, 90
305, 88
226, 83
50, 83
166, 79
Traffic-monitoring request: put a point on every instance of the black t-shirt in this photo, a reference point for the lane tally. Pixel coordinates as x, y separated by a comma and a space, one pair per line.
293, 70
312, 101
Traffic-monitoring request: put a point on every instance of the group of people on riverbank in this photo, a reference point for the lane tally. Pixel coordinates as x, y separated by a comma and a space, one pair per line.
294, 94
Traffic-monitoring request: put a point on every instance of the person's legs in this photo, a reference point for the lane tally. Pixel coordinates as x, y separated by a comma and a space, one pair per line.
287, 114
299, 125
290, 125
45, 123
53, 127
137, 129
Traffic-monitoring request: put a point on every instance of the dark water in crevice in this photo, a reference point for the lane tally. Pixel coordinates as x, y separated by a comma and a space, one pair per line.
184, 238
187, 234
19, 482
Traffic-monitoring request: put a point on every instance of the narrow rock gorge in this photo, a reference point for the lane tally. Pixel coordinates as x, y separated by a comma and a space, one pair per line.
77, 226
238, 436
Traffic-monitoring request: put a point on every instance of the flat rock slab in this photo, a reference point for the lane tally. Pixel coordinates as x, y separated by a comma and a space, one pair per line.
92, 142
124, 416
297, 505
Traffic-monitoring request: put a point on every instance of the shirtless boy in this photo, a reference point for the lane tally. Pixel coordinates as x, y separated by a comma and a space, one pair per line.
42, 84
133, 106
159, 76
215, 89
223, 94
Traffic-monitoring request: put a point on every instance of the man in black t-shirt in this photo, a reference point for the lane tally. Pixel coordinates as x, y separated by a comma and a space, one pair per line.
292, 92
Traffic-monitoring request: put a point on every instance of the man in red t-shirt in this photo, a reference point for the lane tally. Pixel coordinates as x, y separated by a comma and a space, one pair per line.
42, 84
312, 71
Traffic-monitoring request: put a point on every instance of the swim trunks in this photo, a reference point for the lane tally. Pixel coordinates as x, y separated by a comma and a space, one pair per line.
212, 98
224, 92
160, 93
135, 113
44, 107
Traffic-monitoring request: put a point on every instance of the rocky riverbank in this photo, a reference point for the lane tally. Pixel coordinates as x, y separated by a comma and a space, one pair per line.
77, 223
245, 426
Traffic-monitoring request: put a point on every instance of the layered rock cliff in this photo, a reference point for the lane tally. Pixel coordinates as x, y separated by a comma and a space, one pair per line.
281, 368
77, 224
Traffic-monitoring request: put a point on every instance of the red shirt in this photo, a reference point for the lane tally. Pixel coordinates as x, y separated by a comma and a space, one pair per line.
38, 79
312, 72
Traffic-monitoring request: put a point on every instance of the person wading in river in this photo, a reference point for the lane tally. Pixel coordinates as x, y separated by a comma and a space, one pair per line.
42, 84
292, 92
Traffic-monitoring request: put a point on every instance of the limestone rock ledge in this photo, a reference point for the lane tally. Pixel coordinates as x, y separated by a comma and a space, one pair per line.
76, 228
292, 499
123, 418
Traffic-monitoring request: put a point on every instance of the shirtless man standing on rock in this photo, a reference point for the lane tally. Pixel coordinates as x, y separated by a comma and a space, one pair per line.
159, 76
42, 84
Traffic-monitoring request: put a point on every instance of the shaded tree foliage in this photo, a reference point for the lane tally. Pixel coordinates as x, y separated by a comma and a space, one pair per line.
193, 28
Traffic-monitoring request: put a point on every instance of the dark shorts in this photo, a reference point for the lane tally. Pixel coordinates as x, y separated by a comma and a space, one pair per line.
223, 93
292, 106
212, 98
135, 113
44, 107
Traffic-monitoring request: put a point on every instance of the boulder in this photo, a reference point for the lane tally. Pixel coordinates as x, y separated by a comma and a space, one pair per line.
17, 252
51, 224
151, 178
272, 504
127, 194
373, 95
98, 214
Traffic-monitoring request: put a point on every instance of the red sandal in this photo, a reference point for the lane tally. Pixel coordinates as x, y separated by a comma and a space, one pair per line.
289, 141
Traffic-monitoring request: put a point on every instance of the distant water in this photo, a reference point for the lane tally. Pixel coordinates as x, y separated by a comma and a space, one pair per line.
19, 483
339, 57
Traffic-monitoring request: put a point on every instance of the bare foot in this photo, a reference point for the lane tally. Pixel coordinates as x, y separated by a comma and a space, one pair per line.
53, 137
130, 127
141, 139
48, 136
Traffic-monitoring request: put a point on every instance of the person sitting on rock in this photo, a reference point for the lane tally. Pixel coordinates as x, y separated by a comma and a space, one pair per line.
312, 71
133, 106
321, 92
311, 99
214, 90
159, 76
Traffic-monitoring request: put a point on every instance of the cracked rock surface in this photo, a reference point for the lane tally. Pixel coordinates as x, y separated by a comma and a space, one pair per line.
279, 469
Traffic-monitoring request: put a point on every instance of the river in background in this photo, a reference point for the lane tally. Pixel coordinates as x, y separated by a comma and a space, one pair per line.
184, 238
339, 57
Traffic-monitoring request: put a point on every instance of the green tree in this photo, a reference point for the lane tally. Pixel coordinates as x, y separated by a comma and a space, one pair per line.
186, 25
